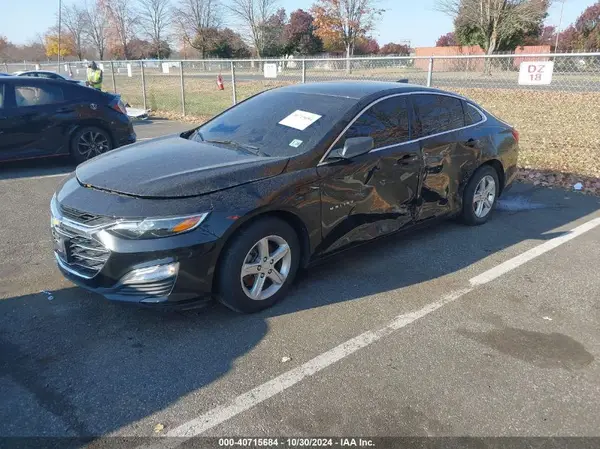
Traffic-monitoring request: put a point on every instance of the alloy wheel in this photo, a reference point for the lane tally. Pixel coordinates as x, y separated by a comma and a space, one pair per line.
266, 267
92, 143
485, 194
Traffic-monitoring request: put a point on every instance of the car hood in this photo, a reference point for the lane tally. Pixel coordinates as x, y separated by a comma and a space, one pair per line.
174, 167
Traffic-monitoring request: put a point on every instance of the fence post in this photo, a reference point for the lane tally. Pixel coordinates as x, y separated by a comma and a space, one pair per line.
112, 71
6, 67
182, 88
233, 82
303, 71
143, 85
429, 72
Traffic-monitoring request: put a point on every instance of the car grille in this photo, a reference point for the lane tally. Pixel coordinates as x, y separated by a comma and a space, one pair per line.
84, 217
83, 255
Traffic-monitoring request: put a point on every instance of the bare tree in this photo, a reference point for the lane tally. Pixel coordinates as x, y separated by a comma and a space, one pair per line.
96, 22
493, 22
155, 19
197, 21
124, 20
253, 15
74, 20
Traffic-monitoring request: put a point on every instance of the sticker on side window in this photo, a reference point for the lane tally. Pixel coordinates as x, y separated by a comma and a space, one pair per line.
295, 143
300, 120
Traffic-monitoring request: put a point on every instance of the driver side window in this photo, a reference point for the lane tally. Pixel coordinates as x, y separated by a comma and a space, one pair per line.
387, 122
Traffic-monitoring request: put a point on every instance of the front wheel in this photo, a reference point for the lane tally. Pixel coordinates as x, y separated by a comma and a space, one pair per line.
259, 265
480, 196
89, 142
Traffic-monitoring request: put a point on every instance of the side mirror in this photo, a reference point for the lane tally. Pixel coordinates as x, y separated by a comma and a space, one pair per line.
355, 146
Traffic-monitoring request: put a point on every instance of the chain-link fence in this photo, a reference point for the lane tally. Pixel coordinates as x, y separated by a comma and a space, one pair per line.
558, 121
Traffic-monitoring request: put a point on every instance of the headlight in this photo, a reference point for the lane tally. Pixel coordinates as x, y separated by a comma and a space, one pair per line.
151, 228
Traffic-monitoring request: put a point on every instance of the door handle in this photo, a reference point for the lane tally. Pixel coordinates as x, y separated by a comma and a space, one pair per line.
63, 110
407, 159
471, 143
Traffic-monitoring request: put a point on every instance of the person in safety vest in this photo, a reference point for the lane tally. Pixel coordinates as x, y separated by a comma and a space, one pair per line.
94, 76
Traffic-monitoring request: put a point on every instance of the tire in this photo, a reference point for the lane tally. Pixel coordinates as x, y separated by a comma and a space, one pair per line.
98, 138
477, 214
235, 290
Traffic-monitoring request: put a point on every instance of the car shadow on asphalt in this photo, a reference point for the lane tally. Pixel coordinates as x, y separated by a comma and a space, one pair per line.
78, 365
51, 166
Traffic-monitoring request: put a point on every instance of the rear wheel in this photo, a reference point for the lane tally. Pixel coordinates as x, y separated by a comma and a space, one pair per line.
259, 265
480, 196
89, 142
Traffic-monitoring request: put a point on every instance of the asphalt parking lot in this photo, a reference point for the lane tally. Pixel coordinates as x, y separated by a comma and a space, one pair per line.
452, 331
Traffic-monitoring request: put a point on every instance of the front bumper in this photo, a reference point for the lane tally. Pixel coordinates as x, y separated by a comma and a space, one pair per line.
100, 262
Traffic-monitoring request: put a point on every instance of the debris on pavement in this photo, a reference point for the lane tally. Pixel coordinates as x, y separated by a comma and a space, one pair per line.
567, 181
48, 294
285, 359
547, 318
158, 428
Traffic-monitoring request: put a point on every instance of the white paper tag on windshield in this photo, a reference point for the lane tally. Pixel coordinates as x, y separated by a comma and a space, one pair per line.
295, 143
300, 120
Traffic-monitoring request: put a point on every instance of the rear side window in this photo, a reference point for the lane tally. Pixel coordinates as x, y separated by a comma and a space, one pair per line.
387, 122
437, 114
38, 95
472, 115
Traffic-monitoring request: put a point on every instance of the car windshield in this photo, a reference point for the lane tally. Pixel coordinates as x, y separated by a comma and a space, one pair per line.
276, 123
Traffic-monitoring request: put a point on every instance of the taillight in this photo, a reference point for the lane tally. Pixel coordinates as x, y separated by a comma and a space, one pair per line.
515, 134
118, 106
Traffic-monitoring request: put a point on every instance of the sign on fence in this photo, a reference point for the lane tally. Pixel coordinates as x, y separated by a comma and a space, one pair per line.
165, 67
536, 73
270, 70
129, 74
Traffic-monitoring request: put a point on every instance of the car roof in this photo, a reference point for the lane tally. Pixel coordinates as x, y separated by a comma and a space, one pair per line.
32, 79
358, 89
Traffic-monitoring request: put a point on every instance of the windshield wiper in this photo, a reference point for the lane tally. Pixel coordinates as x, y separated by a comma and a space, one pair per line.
250, 148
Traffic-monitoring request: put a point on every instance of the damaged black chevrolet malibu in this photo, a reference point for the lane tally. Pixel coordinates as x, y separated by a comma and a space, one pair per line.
232, 209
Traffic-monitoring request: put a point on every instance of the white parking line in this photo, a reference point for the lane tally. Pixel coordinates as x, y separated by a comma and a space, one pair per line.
56, 175
290, 378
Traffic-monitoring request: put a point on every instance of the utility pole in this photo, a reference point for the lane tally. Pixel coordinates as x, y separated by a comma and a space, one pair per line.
562, 6
59, 25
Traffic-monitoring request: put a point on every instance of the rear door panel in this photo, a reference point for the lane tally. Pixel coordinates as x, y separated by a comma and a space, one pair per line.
450, 151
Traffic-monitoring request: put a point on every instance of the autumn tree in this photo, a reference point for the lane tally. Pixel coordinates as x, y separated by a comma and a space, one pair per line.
546, 35
446, 40
96, 24
253, 15
67, 46
345, 21
75, 25
395, 49
197, 22
228, 44
273, 34
155, 17
299, 35
124, 20
494, 24
3, 48
366, 46
584, 34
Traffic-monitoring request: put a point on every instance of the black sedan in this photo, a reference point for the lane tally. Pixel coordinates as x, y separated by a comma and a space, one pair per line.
41, 117
233, 208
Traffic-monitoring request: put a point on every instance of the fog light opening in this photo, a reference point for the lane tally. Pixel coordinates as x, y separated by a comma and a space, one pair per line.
151, 274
